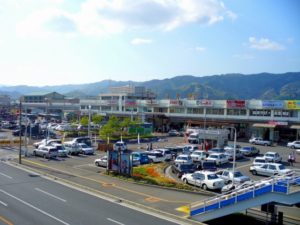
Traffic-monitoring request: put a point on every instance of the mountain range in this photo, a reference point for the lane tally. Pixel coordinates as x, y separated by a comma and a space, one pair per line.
225, 86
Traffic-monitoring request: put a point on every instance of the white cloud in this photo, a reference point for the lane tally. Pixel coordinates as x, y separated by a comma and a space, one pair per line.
141, 41
264, 44
107, 17
200, 49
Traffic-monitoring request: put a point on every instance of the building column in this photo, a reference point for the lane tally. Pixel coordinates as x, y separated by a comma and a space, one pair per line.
271, 135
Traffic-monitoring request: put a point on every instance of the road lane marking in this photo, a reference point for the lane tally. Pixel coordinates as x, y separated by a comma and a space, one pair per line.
5, 220
117, 222
9, 177
51, 195
32, 206
3, 203
243, 166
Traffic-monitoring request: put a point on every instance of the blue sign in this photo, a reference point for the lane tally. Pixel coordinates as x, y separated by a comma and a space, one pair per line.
273, 104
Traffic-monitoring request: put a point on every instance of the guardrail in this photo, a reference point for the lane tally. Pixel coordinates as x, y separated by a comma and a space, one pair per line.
285, 184
10, 142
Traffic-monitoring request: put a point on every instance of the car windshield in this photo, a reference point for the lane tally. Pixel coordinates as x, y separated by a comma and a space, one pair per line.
281, 167
186, 166
212, 176
269, 155
83, 145
60, 147
238, 174
213, 156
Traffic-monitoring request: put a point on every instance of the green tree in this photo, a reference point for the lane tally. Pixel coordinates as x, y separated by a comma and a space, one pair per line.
111, 128
97, 119
84, 121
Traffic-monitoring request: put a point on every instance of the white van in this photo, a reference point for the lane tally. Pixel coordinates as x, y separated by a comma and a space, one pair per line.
46, 152
72, 148
120, 146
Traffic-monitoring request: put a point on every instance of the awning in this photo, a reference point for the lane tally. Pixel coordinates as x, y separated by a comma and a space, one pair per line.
264, 125
295, 127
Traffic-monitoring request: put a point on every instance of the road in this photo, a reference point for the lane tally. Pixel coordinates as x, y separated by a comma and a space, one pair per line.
26, 198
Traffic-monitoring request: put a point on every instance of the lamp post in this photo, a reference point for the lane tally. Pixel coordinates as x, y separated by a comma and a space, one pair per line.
234, 153
89, 124
20, 131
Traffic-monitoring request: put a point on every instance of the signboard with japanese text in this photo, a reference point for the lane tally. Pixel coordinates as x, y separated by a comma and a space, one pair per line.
130, 103
176, 102
293, 104
236, 103
273, 104
204, 102
152, 102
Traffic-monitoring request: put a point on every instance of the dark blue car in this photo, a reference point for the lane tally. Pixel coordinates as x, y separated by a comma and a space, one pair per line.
141, 156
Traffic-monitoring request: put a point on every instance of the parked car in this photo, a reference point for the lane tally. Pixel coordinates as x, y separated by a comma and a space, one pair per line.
102, 161
155, 157
62, 151
190, 148
270, 169
46, 142
248, 184
231, 147
120, 146
272, 157
199, 155
230, 152
203, 179
85, 149
294, 144
176, 150
165, 152
72, 148
141, 156
46, 152
228, 177
180, 169
173, 133
208, 166
216, 150
249, 150
259, 161
260, 141
85, 140
219, 158
184, 159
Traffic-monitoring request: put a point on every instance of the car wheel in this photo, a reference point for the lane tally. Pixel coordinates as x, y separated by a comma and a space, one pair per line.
293, 147
97, 164
44, 156
34, 153
204, 187
185, 181
151, 160
266, 144
254, 172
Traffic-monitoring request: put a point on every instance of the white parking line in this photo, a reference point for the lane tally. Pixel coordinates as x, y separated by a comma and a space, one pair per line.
31, 206
115, 221
9, 177
2, 203
244, 166
51, 195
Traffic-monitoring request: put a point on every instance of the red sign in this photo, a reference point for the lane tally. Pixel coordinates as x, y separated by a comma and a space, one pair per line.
175, 102
236, 104
278, 123
204, 102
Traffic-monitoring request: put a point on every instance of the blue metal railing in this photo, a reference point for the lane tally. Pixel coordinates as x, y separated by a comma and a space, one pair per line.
285, 184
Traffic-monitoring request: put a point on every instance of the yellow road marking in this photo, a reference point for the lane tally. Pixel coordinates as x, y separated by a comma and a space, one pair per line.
5, 220
105, 183
152, 199
184, 208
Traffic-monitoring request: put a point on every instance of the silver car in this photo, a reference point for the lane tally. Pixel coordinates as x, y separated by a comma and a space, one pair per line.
46, 152
102, 161
269, 169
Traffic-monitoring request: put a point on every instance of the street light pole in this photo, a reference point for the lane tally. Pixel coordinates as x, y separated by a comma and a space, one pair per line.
89, 125
20, 131
234, 153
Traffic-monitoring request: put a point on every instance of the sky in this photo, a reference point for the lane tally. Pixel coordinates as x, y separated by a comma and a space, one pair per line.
54, 42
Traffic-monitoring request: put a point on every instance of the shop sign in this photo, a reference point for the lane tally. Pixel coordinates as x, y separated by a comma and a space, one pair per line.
176, 102
273, 104
293, 104
278, 123
112, 102
130, 103
236, 103
204, 102
152, 102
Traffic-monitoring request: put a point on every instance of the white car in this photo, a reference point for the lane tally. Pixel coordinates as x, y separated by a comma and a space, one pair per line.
272, 157
183, 159
203, 179
165, 152
85, 149
219, 158
46, 142
231, 147
120, 146
102, 161
230, 152
269, 169
199, 155
259, 161
46, 152
62, 151
155, 157
294, 144
260, 141
227, 176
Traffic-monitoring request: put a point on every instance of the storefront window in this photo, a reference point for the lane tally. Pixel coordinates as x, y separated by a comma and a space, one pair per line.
210, 111
237, 112
195, 110
176, 110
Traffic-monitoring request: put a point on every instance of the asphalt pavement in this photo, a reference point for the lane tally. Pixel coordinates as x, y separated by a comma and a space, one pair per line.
27, 198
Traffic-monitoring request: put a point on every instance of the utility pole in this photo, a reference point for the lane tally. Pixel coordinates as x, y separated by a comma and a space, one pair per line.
20, 133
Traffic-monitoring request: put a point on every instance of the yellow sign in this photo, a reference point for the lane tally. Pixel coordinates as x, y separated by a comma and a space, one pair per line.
293, 104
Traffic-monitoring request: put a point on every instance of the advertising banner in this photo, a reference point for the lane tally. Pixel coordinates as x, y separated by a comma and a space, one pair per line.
204, 102
272, 104
236, 103
113, 163
152, 102
125, 164
176, 102
130, 103
293, 104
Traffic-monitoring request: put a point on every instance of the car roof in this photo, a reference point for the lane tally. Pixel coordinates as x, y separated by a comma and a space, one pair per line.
205, 172
270, 152
216, 153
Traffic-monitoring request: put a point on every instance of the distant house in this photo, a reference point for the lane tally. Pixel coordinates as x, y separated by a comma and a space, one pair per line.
40, 97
